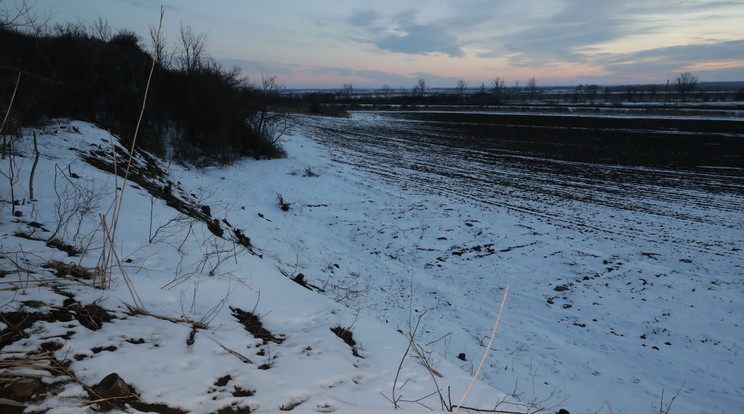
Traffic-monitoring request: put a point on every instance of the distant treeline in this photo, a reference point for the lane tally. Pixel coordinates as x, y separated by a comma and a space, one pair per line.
499, 94
195, 109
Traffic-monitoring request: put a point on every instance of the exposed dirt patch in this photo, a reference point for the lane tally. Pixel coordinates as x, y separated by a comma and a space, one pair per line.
253, 324
27, 236
51, 346
62, 246
222, 381
69, 269
122, 404
241, 392
99, 349
348, 338
113, 393
90, 316
234, 409
156, 408
19, 321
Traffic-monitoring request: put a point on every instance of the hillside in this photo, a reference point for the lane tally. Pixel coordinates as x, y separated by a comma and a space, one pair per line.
198, 312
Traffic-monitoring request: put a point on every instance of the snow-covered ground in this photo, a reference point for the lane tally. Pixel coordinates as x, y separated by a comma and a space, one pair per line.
605, 309
182, 274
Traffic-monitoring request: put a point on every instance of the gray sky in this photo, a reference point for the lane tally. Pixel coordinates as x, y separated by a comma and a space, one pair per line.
323, 43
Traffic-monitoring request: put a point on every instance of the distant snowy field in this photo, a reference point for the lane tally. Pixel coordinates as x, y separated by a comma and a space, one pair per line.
608, 305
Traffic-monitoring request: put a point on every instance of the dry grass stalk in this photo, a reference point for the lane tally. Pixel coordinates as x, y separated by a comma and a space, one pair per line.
136, 130
10, 106
39, 362
32, 281
11, 403
37, 284
100, 400
485, 354
13, 377
130, 285
108, 253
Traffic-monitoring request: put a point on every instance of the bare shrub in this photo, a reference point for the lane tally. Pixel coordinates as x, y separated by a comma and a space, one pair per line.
75, 208
350, 291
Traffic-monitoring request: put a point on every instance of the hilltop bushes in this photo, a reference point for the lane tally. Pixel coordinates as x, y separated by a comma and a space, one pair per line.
196, 110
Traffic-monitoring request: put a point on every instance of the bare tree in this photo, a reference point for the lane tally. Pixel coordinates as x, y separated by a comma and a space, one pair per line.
22, 16
578, 94
348, 91
163, 57
517, 91
591, 91
497, 87
532, 88
460, 88
101, 29
653, 90
630, 93
193, 49
386, 90
685, 83
270, 123
420, 88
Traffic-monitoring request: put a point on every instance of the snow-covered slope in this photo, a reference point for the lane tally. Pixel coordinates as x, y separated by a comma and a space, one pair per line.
189, 349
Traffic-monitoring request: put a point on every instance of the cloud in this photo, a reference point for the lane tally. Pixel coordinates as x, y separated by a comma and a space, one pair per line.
674, 59
560, 35
402, 35
332, 77
420, 40
365, 18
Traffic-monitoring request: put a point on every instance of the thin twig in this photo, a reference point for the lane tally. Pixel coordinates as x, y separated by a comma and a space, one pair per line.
669, 407
405, 354
240, 356
195, 324
485, 354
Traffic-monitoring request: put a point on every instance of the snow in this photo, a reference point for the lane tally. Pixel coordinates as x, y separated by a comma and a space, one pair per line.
652, 303
311, 368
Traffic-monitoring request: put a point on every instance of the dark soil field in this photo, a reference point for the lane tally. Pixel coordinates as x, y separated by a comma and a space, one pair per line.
558, 166
657, 142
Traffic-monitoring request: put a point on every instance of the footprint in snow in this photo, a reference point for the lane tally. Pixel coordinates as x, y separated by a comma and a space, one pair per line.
334, 382
325, 407
297, 399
